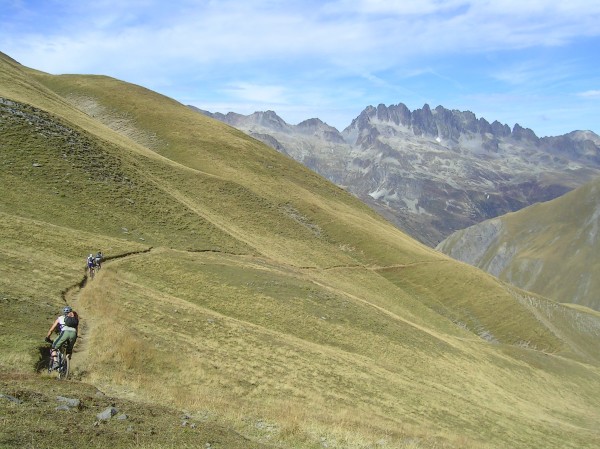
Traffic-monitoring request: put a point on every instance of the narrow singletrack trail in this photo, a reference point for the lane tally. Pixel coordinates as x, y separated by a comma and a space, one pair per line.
71, 295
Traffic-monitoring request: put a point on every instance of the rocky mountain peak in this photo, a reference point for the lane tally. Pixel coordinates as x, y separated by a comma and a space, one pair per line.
269, 119
433, 171
317, 127
439, 123
520, 133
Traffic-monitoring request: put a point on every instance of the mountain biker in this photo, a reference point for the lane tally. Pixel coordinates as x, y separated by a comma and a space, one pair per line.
98, 259
91, 262
66, 333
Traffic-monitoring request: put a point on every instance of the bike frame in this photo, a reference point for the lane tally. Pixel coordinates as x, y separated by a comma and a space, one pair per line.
63, 362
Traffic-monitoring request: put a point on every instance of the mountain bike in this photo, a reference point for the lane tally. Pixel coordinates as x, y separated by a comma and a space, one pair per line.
63, 361
92, 271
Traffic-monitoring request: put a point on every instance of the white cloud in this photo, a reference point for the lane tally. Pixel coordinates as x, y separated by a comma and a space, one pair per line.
373, 33
257, 93
590, 94
401, 7
325, 53
534, 72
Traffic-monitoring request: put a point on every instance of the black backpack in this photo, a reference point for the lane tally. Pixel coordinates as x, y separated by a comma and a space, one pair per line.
72, 321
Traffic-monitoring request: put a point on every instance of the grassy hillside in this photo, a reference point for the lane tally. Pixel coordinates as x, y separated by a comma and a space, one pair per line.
249, 296
550, 248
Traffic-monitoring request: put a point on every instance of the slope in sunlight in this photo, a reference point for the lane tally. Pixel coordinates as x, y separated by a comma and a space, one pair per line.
550, 248
252, 293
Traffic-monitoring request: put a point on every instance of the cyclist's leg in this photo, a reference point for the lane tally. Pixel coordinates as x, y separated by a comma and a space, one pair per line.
55, 345
71, 343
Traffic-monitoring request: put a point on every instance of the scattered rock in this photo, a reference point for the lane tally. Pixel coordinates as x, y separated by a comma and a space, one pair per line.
11, 398
62, 408
122, 417
35, 164
68, 402
107, 414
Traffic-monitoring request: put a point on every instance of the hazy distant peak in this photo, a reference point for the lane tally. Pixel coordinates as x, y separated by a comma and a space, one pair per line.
311, 123
315, 125
584, 135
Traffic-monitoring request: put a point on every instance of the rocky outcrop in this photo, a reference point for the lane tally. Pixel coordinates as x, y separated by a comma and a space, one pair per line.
439, 123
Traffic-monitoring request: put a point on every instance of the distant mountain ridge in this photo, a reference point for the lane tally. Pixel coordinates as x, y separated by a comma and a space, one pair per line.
432, 171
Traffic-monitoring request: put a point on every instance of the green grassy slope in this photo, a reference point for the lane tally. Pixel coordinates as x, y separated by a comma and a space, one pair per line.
253, 294
550, 248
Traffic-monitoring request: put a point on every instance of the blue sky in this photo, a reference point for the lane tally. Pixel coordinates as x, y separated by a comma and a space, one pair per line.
532, 62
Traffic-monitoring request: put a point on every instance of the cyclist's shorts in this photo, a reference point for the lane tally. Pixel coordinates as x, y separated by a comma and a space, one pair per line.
65, 336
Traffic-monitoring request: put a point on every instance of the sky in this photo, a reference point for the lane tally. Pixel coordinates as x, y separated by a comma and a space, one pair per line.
531, 62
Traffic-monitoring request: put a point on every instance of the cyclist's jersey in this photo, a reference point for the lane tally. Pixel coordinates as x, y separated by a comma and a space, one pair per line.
90, 261
63, 327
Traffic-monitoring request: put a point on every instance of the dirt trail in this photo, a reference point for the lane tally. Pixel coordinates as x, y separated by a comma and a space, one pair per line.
71, 296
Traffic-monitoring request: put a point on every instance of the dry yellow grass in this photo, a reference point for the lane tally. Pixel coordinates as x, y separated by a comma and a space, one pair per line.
203, 352
271, 303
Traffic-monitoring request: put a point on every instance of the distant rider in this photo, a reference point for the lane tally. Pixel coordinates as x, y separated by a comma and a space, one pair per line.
91, 263
66, 333
98, 259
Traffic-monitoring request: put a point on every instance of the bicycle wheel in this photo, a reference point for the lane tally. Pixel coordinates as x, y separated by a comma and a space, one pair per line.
63, 364
51, 368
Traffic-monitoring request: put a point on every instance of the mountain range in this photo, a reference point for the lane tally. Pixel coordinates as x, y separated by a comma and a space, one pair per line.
248, 302
432, 171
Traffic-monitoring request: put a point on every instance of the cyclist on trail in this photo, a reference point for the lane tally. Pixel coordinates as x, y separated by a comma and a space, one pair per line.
67, 328
91, 262
98, 259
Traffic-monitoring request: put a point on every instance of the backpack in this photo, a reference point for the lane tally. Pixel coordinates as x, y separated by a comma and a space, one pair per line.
72, 321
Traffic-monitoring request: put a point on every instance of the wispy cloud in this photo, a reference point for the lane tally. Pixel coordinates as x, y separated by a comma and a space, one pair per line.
257, 93
590, 94
343, 52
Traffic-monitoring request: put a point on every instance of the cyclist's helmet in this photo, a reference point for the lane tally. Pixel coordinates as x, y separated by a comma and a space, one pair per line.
67, 310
